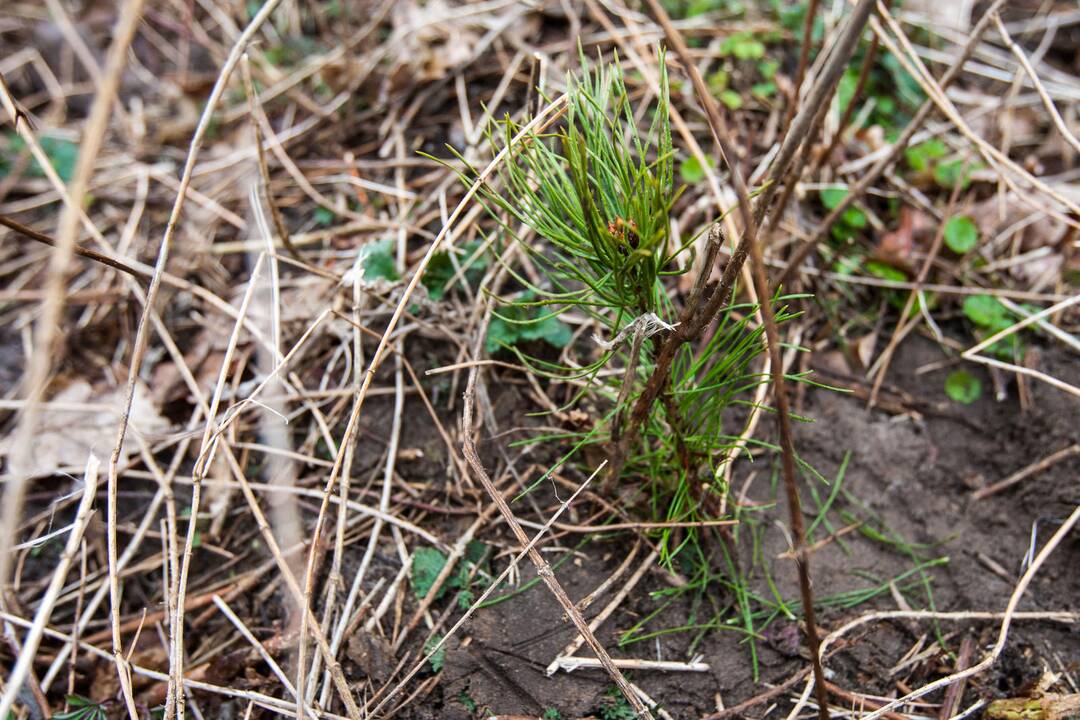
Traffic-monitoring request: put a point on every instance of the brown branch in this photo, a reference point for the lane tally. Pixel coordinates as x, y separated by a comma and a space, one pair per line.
94, 255
769, 694
787, 447
821, 94
849, 111
804, 59
955, 693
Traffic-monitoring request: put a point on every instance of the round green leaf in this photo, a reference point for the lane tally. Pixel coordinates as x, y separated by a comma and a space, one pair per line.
985, 311
731, 99
691, 171
961, 235
831, 197
963, 387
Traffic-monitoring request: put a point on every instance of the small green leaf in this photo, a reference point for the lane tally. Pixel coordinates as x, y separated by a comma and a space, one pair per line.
768, 68
986, 311
551, 714
963, 387
322, 216
845, 265
717, 81
438, 660
952, 173
377, 259
831, 197
522, 323
961, 235
845, 90
427, 563
81, 709
744, 46
465, 598
691, 171
500, 333
990, 316
920, 156
854, 217
551, 330
885, 272
763, 90
731, 99
62, 155
474, 551
470, 704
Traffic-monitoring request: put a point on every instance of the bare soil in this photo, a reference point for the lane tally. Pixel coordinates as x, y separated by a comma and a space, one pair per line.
918, 475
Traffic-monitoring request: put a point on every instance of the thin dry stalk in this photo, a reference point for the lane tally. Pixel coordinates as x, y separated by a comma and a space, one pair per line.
32, 234
1023, 474
496, 583
570, 664
543, 569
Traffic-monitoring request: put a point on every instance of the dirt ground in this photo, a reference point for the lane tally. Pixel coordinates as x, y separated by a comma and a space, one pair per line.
918, 476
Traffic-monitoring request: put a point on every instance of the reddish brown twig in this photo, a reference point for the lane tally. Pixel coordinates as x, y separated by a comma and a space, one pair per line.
955, 693
804, 59
758, 699
29, 232
849, 111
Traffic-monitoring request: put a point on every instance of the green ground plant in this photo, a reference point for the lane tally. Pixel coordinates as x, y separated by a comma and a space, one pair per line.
598, 193
588, 201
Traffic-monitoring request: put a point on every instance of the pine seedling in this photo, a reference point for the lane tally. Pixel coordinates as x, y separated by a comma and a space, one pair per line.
598, 193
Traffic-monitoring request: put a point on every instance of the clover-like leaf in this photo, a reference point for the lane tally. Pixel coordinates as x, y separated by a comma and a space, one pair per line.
963, 387
961, 234
427, 563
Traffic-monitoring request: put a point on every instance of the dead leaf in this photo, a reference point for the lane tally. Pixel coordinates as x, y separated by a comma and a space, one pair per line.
955, 15
864, 349
896, 246
433, 41
67, 434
